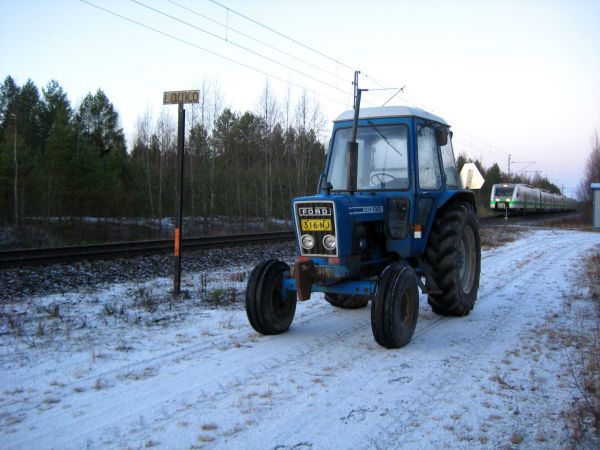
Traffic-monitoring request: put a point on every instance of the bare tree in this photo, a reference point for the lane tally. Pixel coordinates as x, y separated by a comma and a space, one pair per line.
267, 106
302, 111
269, 112
218, 100
165, 131
287, 108
317, 119
143, 135
592, 171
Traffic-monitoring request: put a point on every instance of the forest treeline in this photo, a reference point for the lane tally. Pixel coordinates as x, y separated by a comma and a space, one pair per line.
57, 160
61, 161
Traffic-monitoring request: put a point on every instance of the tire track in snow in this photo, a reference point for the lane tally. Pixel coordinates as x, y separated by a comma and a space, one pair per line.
446, 369
224, 341
111, 376
149, 395
223, 387
199, 387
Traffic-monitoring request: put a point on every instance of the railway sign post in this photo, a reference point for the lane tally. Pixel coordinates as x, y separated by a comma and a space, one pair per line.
179, 98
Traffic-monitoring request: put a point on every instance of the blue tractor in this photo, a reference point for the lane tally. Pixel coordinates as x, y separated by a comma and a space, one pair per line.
389, 218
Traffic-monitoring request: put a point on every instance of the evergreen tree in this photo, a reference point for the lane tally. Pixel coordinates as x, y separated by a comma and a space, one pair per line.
100, 157
57, 132
9, 96
98, 124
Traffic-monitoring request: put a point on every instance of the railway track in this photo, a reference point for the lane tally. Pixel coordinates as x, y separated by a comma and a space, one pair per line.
526, 219
40, 256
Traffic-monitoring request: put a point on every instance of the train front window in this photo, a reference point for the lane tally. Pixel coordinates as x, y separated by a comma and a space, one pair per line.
504, 192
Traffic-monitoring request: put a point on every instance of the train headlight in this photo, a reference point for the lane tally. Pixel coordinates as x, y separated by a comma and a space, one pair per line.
329, 242
307, 241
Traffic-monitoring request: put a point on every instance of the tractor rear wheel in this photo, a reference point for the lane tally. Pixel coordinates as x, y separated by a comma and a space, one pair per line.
347, 301
395, 306
454, 255
267, 311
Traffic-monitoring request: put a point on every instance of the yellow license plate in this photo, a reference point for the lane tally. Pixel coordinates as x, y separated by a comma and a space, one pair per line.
315, 224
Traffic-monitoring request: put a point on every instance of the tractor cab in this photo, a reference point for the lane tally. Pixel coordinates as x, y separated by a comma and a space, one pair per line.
404, 171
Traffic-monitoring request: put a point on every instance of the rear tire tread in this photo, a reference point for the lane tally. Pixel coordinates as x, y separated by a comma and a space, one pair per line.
442, 256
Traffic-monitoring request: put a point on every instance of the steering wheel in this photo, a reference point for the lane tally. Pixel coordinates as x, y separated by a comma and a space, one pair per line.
381, 178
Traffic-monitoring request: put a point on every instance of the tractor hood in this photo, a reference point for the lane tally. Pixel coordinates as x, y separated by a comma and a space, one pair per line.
323, 219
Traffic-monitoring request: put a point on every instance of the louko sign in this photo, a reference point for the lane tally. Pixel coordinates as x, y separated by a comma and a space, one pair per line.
179, 98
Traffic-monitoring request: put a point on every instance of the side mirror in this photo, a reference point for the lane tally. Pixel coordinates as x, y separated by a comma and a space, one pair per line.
441, 136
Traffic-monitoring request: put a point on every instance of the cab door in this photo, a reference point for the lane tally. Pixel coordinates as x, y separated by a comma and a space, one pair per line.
430, 182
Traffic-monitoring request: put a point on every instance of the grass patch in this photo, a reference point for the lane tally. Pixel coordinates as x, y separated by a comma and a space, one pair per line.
581, 220
583, 419
516, 438
492, 237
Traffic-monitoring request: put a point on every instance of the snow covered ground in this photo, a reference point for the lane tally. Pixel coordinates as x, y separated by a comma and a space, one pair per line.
122, 367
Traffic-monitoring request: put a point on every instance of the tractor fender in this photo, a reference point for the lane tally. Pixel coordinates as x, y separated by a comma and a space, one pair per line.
445, 199
449, 197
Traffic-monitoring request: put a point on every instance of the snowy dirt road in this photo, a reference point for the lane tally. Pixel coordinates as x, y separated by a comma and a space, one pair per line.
493, 379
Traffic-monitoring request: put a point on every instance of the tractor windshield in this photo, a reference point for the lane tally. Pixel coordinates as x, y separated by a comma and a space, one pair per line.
382, 158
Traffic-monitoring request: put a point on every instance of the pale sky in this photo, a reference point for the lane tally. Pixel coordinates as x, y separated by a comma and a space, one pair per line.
518, 77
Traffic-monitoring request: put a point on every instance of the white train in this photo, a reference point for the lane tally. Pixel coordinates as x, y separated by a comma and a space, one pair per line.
523, 198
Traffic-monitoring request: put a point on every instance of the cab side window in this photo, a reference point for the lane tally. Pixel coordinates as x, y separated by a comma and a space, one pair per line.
452, 179
430, 176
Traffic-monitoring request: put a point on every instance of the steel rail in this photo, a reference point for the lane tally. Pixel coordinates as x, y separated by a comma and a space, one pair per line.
40, 256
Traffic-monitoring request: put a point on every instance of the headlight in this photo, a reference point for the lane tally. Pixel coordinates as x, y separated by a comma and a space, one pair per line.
307, 241
329, 242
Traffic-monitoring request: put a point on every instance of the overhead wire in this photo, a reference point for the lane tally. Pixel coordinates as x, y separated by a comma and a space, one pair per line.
295, 41
480, 148
247, 36
184, 41
216, 36
489, 150
291, 39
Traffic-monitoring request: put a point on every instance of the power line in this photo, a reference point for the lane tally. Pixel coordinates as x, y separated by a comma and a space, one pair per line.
481, 148
247, 36
184, 41
216, 36
490, 147
291, 39
417, 103
477, 148
266, 27
380, 83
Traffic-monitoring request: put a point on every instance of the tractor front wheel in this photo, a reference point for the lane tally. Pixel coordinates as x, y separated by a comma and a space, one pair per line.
267, 311
395, 306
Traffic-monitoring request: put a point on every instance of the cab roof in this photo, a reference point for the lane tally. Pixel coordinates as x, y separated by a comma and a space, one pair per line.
390, 111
